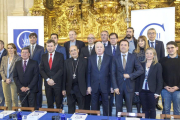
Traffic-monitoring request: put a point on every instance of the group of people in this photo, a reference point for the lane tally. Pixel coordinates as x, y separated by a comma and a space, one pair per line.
93, 73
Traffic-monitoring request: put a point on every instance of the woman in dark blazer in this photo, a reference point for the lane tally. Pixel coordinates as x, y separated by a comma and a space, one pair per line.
150, 83
6, 70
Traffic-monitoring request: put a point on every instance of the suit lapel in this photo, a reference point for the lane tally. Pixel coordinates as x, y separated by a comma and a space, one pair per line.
46, 60
54, 61
95, 58
128, 60
80, 65
87, 51
151, 68
120, 61
77, 44
103, 61
12, 62
156, 45
57, 48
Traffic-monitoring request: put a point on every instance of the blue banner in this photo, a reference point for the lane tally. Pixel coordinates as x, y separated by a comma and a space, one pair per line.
21, 38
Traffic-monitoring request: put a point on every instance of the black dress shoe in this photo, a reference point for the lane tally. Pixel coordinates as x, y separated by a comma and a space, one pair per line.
158, 107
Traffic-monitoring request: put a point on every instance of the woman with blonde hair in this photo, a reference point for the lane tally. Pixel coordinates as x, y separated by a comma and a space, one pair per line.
150, 83
142, 45
6, 70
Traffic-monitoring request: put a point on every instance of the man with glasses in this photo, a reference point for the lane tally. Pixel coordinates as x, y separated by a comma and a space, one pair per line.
87, 52
170, 72
156, 44
73, 41
90, 49
104, 38
112, 50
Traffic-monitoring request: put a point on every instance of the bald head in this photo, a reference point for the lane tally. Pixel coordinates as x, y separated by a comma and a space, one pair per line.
99, 48
91, 39
74, 51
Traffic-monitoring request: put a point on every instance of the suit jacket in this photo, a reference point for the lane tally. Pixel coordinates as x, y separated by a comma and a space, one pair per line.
3, 54
79, 45
102, 77
109, 44
60, 49
29, 78
155, 80
133, 68
85, 52
4, 66
159, 47
108, 51
81, 75
56, 72
37, 54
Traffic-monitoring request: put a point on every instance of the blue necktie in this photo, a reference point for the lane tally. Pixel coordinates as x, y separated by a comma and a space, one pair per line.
0, 54
152, 44
114, 50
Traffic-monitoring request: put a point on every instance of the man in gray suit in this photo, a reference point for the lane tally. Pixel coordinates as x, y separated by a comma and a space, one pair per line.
3, 52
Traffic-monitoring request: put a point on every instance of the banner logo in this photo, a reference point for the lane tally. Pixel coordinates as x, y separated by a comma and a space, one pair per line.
21, 38
158, 35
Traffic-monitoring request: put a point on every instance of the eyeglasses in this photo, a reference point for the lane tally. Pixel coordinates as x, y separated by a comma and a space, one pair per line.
90, 38
168, 48
151, 33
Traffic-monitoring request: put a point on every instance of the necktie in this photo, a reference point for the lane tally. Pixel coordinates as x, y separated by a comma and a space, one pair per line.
32, 50
90, 50
0, 54
124, 62
104, 44
152, 44
24, 66
99, 63
50, 61
114, 50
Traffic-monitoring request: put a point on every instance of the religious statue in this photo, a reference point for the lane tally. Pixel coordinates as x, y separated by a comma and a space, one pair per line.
126, 3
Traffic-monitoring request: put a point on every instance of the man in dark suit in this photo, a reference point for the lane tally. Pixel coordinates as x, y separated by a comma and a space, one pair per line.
58, 48
125, 68
131, 39
90, 49
73, 41
51, 69
104, 38
26, 72
3, 52
36, 53
99, 78
112, 50
87, 52
156, 44
159, 47
74, 84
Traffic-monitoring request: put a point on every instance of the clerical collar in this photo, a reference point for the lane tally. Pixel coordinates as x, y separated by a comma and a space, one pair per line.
75, 58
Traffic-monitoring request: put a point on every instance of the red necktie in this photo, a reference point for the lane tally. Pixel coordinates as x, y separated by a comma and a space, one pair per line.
50, 61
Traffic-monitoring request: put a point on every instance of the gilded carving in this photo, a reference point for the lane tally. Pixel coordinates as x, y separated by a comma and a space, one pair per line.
93, 16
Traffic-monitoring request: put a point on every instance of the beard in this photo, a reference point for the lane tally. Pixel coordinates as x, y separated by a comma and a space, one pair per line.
129, 36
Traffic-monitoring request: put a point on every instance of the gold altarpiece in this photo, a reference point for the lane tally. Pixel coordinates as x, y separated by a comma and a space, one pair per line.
93, 16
